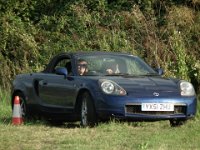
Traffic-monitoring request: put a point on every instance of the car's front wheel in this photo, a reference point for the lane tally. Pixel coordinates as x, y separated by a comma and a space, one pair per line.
88, 113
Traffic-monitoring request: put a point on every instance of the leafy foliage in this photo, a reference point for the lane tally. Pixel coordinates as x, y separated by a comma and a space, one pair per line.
164, 33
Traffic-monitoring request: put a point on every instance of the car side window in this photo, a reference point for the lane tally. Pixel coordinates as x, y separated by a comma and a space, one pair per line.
64, 63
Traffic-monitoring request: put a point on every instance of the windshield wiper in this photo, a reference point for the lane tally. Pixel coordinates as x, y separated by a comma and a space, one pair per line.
150, 74
119, 74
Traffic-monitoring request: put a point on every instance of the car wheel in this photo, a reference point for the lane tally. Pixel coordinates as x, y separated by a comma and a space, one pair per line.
22, 105
88, 113
177, 122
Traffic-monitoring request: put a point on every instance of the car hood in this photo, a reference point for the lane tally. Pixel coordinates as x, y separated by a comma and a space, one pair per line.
148, 86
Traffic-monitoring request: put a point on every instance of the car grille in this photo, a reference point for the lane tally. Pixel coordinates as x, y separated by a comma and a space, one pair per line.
136, 109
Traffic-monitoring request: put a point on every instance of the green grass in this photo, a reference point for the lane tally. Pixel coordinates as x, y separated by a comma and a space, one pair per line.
5, 107
112, 135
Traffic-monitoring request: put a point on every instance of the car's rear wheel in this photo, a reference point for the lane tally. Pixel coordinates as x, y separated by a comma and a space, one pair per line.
177, 122
88, 113
23, 105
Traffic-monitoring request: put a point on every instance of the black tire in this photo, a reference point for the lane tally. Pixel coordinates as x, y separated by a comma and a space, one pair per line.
177, 122
22, 105
87, 111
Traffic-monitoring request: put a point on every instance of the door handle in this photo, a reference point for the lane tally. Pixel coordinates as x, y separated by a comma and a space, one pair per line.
43, 82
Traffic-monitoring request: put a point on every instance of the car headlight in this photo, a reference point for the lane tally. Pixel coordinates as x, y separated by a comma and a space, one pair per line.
187, 88
110, 87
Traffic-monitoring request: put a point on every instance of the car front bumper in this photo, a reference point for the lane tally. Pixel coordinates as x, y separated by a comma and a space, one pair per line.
129, 108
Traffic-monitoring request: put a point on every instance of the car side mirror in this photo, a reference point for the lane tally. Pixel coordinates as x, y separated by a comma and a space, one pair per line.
159, 71
61, 71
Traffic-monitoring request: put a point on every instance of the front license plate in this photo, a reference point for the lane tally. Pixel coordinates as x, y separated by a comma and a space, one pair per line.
157, 107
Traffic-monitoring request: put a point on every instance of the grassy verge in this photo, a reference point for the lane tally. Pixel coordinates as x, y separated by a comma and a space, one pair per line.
112, 135
148, 135
5, 107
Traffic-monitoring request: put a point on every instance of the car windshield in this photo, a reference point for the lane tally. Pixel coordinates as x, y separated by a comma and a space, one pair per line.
116, 65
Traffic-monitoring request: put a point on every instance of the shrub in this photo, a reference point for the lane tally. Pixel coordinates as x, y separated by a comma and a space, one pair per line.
34, 31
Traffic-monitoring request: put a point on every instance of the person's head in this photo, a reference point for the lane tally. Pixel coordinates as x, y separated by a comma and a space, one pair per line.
112, 68
82, 67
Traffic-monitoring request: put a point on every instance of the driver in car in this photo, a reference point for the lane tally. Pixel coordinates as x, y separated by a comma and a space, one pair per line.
82, 67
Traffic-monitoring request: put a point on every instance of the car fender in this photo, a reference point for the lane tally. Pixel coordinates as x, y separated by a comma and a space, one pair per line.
18, 87
21, 84
91, 87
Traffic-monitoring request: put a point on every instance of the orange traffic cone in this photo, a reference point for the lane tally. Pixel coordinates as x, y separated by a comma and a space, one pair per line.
17, 113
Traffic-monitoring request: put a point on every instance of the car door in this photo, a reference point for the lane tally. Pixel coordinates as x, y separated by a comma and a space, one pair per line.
57, 92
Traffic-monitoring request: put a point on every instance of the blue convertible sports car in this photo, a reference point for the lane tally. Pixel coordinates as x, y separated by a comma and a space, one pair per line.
94, 86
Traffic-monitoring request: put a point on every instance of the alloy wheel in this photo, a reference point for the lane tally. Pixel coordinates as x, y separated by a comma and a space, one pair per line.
84, 112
